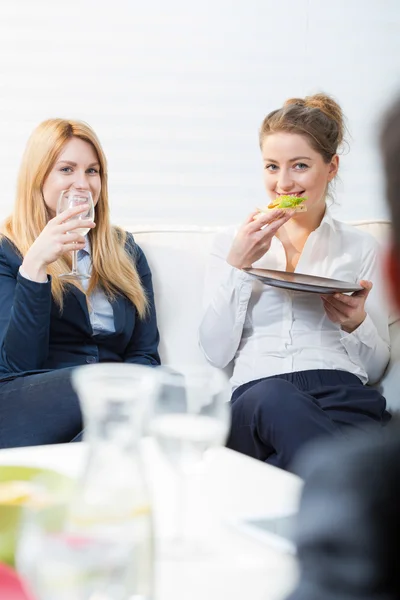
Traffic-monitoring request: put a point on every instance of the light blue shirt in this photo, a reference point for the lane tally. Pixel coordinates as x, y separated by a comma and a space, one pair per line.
101, 314
100, 310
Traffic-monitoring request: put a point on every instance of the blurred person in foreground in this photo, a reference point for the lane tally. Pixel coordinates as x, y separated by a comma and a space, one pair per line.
349, 520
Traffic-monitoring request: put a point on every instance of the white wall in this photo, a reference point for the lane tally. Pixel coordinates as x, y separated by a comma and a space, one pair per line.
176, 90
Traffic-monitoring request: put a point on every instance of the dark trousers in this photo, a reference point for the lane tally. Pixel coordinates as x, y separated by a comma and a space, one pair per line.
39, 409
273, 418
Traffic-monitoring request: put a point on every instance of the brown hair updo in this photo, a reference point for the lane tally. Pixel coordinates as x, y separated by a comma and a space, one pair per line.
317, 117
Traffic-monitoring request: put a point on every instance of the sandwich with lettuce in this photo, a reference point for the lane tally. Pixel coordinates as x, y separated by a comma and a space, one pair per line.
288, 202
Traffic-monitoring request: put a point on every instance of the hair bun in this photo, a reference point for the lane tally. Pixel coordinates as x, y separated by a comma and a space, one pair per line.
296, 101
318, 117
326, 105
331, 109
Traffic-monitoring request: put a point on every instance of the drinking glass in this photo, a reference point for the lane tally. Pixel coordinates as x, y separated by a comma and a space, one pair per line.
99, 546
69, 199
112, 499
58, 564
190, 414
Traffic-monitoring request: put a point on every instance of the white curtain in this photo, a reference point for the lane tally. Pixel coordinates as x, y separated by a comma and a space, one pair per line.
176, 91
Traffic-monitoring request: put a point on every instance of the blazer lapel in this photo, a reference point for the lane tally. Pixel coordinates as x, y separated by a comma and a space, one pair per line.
82, 302
119, 306
119, 310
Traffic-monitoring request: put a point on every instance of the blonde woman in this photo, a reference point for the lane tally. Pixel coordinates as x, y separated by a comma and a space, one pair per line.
48, 325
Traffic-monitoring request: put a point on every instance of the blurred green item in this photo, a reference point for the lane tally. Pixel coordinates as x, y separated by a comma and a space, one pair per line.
48, 487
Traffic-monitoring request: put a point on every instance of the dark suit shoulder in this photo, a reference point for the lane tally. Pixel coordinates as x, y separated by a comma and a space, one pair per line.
130, 241
380, 449
135, 251
348, 522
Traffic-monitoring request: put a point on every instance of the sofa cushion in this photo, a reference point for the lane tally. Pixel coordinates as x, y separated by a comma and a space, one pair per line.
178, 258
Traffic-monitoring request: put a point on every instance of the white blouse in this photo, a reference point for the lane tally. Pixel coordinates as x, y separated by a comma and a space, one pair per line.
268, 331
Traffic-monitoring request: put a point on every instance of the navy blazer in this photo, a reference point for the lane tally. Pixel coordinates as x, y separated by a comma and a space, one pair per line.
36, 337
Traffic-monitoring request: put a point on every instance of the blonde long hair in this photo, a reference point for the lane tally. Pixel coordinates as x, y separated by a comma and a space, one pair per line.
113, 269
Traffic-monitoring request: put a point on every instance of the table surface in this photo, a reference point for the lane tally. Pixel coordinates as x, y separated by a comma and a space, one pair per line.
230, 485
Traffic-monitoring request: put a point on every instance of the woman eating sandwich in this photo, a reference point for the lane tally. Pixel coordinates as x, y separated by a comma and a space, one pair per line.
301, 361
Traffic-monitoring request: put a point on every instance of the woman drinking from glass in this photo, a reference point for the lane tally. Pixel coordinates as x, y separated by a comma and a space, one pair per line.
52, 320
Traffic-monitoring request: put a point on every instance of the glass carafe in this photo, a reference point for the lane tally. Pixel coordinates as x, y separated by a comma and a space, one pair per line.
111, 502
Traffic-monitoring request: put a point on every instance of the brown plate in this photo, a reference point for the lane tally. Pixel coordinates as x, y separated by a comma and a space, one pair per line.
301, 282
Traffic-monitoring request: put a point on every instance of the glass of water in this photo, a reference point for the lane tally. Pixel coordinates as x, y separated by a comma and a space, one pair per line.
59, 564
70, 199
190, 414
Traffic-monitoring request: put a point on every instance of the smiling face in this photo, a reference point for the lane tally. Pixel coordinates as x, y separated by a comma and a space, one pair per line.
77, 166
292, 166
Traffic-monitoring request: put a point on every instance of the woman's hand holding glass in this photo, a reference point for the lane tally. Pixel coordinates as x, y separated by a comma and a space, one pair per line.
77, 198
59, 236
254, 237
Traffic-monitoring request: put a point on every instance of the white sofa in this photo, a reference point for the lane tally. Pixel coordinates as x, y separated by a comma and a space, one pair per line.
178, 258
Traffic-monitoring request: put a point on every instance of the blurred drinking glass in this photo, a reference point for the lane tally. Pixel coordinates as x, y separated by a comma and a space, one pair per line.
100, 546
190, 414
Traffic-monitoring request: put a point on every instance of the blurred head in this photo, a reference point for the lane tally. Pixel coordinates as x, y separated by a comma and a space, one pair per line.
390, 147
60, 154
299, 144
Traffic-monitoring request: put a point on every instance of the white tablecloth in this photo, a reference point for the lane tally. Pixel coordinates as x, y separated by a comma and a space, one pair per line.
230, 486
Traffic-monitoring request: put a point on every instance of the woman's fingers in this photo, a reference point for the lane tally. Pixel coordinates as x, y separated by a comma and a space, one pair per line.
346, 303
269, 230
69, 213
348, 300
251, 217
332, 313
264, 219
76, 224
367, 285
254, 236
277, 223
72, 247
76, 237
340, 301
71, 241
345, 310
